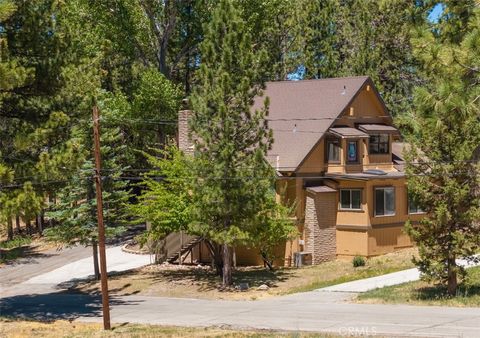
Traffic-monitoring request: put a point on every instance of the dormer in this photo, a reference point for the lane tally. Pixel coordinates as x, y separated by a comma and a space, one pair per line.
338, 125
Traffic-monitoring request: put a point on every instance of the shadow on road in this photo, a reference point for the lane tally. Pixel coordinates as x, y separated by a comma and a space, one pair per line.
58, 305
22, 255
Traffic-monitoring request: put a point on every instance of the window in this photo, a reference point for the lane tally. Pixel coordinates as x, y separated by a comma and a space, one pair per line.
385, 201
333, 151
352, 153
379, 144
413, 207
351, 199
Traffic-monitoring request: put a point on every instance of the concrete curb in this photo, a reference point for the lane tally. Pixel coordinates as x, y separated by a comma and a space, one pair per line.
134, 252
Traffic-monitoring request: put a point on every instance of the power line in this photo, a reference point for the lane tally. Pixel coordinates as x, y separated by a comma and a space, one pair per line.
174, 122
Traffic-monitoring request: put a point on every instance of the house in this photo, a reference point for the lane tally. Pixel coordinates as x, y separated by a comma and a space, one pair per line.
339, 159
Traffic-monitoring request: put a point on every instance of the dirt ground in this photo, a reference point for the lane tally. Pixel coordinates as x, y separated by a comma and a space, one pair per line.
190, 281
62, 328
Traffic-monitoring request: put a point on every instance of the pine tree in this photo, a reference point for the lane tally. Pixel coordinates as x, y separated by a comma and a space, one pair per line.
316, 40
233, 182
76, 210
443, 173
374, 39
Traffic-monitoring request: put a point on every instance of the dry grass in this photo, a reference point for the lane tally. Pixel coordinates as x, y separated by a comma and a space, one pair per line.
22, 246
201, 282
422, 293
62, 328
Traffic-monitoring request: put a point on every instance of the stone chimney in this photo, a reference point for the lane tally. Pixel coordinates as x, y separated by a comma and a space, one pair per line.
184, 142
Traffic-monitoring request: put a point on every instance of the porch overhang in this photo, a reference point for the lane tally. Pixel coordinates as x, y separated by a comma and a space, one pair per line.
347, 132
378, 129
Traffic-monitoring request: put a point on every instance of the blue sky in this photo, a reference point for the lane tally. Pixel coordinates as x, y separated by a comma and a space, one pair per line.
435, 13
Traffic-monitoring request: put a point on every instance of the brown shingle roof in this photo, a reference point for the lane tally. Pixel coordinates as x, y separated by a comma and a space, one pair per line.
301, 112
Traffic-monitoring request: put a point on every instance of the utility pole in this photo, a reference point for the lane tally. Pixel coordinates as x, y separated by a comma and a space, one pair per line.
101, 227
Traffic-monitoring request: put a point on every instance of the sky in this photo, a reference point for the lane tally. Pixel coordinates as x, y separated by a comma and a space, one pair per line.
435, 13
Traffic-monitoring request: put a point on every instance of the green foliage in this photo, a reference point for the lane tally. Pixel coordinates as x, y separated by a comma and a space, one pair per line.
233, 182
16, 242
443, 173
334, 38
358, 261
316, 41
166, 201
76, 208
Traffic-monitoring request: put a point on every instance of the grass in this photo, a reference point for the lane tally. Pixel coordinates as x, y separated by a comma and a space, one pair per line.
22, 246
422, 293
16, 242
201, 282
13, 249
21, 328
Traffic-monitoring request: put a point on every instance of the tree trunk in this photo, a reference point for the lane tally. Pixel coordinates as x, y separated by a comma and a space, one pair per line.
227, 266
452, 276
17, 224
216, 257
9, 229
267, 262
39, 224
29, 227
96, 269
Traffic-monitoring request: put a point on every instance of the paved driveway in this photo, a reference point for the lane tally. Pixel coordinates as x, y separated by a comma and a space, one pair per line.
54, 270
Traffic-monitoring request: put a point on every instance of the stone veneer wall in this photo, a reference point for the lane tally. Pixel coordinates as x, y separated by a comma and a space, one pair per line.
320, 226
184, 142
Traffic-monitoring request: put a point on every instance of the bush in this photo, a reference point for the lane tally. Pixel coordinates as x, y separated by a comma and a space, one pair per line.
16, 242
358, 261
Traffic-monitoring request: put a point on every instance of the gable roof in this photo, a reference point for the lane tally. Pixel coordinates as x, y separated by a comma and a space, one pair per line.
302, 111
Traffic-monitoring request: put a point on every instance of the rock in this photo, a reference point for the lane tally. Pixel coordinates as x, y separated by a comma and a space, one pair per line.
263, 287
243, 286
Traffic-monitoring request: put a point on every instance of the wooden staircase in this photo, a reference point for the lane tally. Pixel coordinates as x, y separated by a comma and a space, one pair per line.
178, 243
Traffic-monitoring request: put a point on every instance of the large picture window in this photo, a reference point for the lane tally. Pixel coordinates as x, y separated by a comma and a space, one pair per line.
351, 199
385, 201
379, 144
333, 151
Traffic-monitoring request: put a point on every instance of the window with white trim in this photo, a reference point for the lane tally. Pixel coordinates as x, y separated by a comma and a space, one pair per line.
385, 201
351, 199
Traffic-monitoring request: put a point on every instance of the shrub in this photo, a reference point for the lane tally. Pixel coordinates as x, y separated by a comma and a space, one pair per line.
358, 261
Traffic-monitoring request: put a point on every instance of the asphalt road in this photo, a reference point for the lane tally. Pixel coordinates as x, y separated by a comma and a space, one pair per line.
29, 290
39, 263
313, 311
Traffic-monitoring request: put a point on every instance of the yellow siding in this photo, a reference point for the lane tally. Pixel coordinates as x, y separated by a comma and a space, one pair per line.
315, 161
353, 218
352, 242
384, 240
401, 202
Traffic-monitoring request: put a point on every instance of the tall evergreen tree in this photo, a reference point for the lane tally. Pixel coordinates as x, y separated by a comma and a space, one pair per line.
347, 38
316, 44
76, 209
443, 173
233, 182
